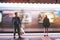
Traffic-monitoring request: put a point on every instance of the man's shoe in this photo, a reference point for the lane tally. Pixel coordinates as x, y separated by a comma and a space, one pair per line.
20, 37
45, 35
14, 37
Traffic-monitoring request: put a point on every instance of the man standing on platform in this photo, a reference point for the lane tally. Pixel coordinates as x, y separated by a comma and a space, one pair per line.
17, 24
46, 24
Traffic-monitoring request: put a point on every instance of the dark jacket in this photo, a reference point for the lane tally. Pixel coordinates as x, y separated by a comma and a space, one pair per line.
16, 20
46, 22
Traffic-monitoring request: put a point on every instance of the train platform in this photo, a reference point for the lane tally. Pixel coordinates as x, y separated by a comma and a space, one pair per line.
31, 36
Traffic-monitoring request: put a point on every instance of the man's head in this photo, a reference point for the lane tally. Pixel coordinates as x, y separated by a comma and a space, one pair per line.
46, 16
16, 14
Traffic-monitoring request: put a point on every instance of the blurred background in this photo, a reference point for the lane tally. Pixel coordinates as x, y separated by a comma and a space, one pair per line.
33, 15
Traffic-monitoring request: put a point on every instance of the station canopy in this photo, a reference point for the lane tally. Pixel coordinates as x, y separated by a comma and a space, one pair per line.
29, 6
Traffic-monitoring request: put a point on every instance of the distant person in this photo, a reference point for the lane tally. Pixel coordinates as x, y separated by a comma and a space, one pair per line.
39, 18
46, 24
17, 24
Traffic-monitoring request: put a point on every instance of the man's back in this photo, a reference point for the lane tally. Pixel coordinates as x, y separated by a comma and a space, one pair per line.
46, 22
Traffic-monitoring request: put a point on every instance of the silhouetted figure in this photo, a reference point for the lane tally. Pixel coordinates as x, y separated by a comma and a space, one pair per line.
46, 24
17, 24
